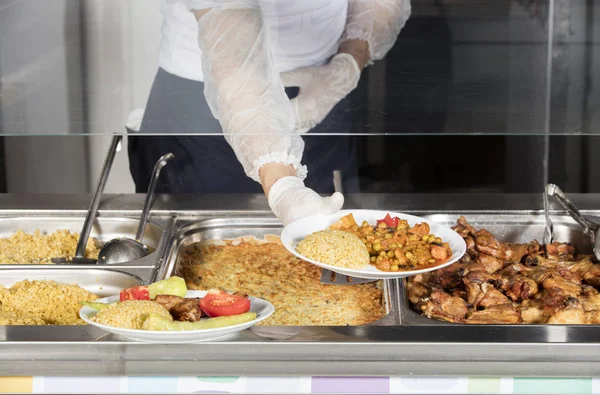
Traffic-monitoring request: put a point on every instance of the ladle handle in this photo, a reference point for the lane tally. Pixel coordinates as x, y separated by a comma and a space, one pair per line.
150, 195
93, 211
554, 190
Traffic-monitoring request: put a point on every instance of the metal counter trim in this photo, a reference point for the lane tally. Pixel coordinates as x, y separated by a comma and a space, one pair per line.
423, 359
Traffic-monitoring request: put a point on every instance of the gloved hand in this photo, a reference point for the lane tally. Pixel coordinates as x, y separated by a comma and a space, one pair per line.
291, 200
321, 88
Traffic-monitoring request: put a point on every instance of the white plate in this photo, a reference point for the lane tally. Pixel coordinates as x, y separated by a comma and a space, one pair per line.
262, 308
298, 230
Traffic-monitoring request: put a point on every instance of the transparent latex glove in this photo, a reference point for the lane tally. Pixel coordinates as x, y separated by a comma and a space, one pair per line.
244, 91
378, 22
291, 200
321, 88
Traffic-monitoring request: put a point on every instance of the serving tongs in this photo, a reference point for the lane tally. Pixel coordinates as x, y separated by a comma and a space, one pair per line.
79, 258
333, 278
590, 228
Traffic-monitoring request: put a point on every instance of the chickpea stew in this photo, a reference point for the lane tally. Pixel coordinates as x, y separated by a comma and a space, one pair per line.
395, 246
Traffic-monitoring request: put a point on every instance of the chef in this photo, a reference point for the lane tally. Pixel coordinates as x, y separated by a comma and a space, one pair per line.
226, 67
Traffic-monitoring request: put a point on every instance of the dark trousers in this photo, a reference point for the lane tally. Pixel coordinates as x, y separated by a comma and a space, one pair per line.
178, 110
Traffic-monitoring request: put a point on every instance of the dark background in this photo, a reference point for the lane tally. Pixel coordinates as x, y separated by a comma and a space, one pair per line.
476, 96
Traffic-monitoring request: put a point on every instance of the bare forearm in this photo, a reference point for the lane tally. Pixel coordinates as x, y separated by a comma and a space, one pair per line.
376, 22
359, 50
199, 13
271, 172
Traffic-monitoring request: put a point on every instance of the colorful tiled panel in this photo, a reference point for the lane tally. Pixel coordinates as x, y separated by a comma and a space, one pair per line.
152, 385
552, 386
16, 385
350, 385
298, 385
82, 385
424, 385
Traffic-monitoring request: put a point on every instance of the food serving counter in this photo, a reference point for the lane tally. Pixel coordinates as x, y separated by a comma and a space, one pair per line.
402, 343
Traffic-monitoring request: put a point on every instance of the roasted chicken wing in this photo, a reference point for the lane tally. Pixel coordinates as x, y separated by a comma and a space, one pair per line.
501, 283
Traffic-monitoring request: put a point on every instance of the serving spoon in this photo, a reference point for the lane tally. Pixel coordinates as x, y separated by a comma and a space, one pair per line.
590, 228
125, 249
79, 258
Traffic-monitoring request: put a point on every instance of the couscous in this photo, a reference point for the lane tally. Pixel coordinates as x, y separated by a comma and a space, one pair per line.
130, 314
42, 303
12, 318
336, 248
40, 248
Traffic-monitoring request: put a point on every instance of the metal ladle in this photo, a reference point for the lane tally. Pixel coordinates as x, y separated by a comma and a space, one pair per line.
79, 258
124, 249
590, 228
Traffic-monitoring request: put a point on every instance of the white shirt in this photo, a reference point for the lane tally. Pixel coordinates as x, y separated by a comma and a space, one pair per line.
302, 32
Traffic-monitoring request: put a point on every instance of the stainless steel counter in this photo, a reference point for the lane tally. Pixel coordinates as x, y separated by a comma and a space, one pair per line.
392, 347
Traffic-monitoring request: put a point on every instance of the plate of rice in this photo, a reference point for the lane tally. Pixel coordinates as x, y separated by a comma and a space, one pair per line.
131, 320
373, 244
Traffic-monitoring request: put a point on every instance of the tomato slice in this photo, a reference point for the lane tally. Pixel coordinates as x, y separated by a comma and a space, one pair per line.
218, 304
140, 292
389, 221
